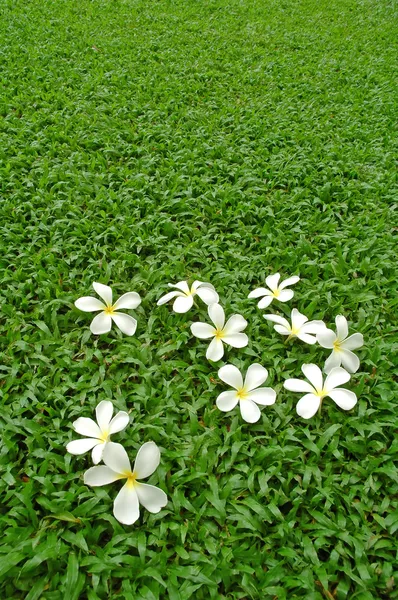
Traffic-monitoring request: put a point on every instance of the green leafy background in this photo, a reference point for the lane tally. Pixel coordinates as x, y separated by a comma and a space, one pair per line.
149, 142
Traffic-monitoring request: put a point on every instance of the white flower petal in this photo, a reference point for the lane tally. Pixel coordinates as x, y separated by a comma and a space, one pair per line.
263, 396
126, 507
298, 319
215, 351
182, 304
306, 337
349, 360
277, 319
147, 460
255, 376
289, 281
235, 324
151, 497
168, 297
86, 426
217, 315
115, 457
341, 327
332, 362
104, 412
236, 340
208, 295
126, 324
231, 375
129, 300
227, 401
283, 331
97, 453
285, 295
336, 377
182, 286
298, 385
314, 375
197, 284
81, 446
202, 331
104, 292
100, 476
102, 323
345, 399
353, 342
316, 326
119, 422
89, 304
258, 292
326, 338
250, 411
308, 405
266, 301
272, 281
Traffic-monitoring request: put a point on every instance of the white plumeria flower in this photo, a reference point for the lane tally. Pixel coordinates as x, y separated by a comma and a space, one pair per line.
184, 296
300, 326
317, 390
133, 493
275, 291
98, 435
228, 333
102, 323
341, 345
247, 393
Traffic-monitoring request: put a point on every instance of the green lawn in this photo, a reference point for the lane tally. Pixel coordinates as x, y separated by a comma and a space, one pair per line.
143, 143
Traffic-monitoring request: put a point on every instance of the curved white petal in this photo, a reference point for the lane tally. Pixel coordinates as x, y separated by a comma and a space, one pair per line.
272, 281
217, 315
258, 292
104, 412
315, 326
168, 297
215, 351
341, 327
353, 342
231, 375
250, 411
236, 340
147, 460
100, 476
115, 457
81, 446
235, 324
266, 301
182, 304
306, 337
263, 396
126, 507
102, 323
104, 292
349, 360
97, 453
298, 319
308, 405
151, 497
129, 300
255, 376
336, 377
119, 422
181, 285
332, 362
314, 375
285, 295
202, 331
298, 385
227, 401
277, 319
86, 426
89, 304
326, 338
208, 295
345, 399
289, 281
126, 324
283, 331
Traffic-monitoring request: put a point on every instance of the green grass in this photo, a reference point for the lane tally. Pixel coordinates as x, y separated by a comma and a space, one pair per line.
148, 142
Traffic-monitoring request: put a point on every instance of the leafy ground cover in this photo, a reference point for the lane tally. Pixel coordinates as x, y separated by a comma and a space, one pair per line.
149, 142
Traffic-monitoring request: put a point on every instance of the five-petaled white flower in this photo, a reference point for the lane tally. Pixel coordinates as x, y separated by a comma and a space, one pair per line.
275, 291
247, 393
184, 296
98, 435
228, 333
317, 390
300, 327
341, 345
133, 493
102, 323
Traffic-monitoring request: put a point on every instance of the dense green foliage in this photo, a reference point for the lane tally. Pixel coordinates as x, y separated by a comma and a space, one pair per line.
149, 142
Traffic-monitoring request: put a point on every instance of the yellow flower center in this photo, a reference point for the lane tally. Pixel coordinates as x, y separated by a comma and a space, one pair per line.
219, 334
104, 435
131, 477
242, 393
337, 346
109, 310
321, 393
277, 293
